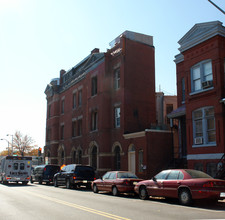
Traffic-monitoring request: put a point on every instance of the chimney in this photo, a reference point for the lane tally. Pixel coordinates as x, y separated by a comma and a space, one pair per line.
96, 50
61, 75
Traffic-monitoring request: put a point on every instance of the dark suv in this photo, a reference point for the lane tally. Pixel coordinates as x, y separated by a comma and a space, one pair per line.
74, 175
44, 173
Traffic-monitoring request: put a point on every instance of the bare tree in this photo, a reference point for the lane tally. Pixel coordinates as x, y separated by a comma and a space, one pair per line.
21, 143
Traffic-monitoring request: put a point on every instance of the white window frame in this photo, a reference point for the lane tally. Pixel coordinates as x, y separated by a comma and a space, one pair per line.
117, 78
202, 77
202, 123
117, 117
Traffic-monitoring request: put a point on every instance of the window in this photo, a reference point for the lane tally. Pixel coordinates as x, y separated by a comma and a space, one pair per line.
80, 98
74, 128
49, 111
117, 117
140, 161
174, 175
62, 106
22, 166
62, 131
204, 126
74, 157
117, 78
79, 130
94, 86
94, 120
183, 89
49, 131
79, 161
74, 100
15, 166
201, 76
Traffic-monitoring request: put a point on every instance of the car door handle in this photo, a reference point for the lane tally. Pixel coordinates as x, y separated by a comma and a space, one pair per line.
178, 182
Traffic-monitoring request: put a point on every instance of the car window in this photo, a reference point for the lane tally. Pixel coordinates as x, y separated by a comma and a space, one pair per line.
22, 166
181, 176
15, 166
112, 176
126, 175
162, 175
106, 176
198, 174
173, 175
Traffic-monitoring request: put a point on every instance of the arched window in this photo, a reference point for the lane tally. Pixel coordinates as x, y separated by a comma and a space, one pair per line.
79, 158
74, 157
94, 157
117, 157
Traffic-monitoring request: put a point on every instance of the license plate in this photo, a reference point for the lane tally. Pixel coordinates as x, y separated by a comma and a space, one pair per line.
134, 183
84, 181
222, 194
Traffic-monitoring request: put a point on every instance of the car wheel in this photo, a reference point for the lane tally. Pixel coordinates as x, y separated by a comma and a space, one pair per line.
24, 182
95, 188
185, 197
115, 191
143, 194
55, 183
68, 185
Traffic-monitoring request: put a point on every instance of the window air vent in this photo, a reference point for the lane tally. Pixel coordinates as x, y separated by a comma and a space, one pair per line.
207, 84
198, 140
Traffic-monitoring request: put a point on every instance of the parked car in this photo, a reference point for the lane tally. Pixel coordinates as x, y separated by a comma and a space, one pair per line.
44, 173
184, 184
116, 182
74, 175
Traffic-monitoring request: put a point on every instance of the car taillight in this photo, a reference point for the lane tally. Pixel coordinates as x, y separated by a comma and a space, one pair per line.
209, 184
94, 178
74, 176
8, 178
126, 182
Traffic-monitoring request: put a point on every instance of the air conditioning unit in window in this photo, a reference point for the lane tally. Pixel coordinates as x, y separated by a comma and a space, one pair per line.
198, 140
207, 84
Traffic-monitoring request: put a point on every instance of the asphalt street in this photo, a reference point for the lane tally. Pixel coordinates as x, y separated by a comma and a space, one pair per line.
40, 202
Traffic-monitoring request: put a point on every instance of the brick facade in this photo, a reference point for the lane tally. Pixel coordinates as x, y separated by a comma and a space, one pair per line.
94, 107
201, 73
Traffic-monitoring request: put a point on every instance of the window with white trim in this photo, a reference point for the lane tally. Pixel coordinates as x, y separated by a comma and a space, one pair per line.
204, 131
201, 76
117, 78
117, 117
94, 120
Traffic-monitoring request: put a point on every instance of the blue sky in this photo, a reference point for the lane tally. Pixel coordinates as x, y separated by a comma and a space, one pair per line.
38, 38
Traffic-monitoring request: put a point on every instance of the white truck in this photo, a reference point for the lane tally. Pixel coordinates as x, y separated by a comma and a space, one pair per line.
15, 169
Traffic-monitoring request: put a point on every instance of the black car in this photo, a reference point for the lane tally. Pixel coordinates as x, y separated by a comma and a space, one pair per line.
44, 173
74, 175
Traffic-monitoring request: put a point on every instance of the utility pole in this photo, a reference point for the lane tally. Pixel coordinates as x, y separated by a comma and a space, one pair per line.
217, 6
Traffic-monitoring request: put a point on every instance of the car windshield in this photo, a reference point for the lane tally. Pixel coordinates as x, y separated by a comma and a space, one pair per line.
126, 175
198, 174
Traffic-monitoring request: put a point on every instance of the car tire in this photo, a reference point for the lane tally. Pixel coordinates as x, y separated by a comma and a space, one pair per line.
24, 182
31, 180
143, 194
55, 183
68, 185
95, 188
185, 197
115, 191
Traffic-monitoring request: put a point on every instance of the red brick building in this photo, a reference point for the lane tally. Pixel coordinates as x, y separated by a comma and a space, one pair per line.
201, 96
100, 112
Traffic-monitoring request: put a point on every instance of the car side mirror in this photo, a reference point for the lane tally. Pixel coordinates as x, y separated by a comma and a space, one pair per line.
154, 179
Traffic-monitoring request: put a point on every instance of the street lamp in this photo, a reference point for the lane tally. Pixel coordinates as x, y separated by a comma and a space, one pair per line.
12, 141
2, 139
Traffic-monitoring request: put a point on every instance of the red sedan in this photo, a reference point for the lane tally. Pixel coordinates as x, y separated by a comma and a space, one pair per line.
184, 184
116, 182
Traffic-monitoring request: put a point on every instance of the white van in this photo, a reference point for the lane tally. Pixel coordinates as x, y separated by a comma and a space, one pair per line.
15, 169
